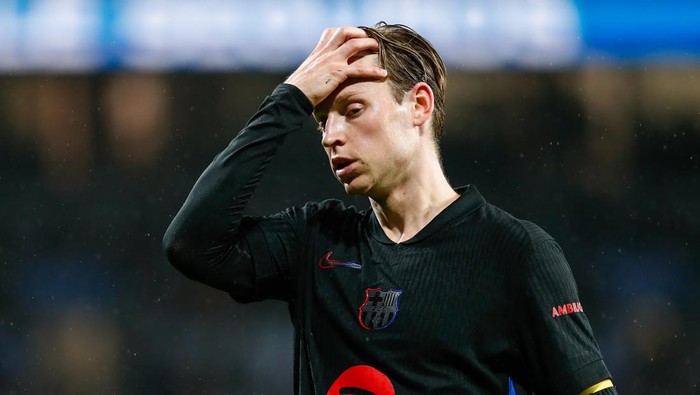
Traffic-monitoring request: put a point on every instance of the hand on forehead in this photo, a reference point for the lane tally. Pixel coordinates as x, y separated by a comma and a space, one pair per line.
341, 54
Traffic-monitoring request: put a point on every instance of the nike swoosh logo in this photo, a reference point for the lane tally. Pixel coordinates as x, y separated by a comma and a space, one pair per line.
327, 263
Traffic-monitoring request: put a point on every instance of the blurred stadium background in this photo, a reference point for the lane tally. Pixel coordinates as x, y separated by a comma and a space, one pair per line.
582, 116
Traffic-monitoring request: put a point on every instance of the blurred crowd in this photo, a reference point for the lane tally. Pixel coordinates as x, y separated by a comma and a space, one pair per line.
94, 167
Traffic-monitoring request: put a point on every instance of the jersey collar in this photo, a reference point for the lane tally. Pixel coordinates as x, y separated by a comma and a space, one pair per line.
468, 202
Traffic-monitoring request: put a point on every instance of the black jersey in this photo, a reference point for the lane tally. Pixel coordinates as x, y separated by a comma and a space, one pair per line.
477, 302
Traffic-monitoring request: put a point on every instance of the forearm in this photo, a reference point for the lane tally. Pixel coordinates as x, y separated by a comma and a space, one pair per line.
202, 235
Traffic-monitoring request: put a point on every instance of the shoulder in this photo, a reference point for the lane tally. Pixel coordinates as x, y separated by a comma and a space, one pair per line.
522, 233
536, 257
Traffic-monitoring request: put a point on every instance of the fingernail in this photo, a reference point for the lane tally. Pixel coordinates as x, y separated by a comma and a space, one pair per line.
384, 73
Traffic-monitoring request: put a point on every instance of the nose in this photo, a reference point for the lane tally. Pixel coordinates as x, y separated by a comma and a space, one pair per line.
333, 132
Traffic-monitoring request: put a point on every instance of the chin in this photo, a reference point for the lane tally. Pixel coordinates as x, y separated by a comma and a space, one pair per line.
367, 190
350, 190
356, 189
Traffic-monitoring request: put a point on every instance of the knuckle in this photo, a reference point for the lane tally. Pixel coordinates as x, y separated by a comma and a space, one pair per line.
326, 35
352, 44
363, 43
346, 31
358, 44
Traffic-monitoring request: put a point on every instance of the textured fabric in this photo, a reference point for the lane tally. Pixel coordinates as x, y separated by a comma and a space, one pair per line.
476, 302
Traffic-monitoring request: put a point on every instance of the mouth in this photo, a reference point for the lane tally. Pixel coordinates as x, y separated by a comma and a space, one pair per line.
340, 163
342, 166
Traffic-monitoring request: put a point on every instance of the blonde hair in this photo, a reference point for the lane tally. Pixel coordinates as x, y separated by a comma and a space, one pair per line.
409, 59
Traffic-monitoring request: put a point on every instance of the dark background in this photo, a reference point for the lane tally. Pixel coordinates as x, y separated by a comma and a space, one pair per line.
93, 168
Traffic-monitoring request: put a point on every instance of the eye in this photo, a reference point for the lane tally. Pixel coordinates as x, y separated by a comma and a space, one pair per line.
353, 110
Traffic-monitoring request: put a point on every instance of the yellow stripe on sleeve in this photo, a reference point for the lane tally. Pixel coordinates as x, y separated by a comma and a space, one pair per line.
607, 383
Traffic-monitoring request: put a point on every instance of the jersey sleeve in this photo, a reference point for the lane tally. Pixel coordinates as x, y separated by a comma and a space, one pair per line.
557, 343
209, 240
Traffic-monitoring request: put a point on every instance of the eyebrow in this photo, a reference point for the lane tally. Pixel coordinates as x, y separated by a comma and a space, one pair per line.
347, 95
341, 98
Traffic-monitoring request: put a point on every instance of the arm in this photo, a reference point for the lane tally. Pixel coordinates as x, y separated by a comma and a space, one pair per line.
558, 345
205, 239
209, 240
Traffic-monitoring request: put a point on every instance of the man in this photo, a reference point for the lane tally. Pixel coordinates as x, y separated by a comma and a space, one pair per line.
432, 290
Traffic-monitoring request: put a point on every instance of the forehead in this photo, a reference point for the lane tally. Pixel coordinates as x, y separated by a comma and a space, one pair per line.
365, 58
353, 87
350, 90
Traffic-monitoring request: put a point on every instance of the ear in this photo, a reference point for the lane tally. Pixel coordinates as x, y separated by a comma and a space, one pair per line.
422, 103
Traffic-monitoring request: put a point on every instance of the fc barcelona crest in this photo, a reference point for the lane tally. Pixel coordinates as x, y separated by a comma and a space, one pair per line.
379, 308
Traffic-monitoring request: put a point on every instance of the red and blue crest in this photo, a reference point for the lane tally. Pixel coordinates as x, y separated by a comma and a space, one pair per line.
379, 309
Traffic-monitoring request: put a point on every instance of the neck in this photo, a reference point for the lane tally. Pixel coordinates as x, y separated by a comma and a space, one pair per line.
409, 208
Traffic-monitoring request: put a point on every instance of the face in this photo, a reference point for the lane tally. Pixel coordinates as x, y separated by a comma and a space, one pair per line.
369, 138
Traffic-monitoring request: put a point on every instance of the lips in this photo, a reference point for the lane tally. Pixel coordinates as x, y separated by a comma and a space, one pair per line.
340, 163
342, 166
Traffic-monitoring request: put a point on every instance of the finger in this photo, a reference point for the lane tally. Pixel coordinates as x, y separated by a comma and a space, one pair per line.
345, 33
365, 71
355, 46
